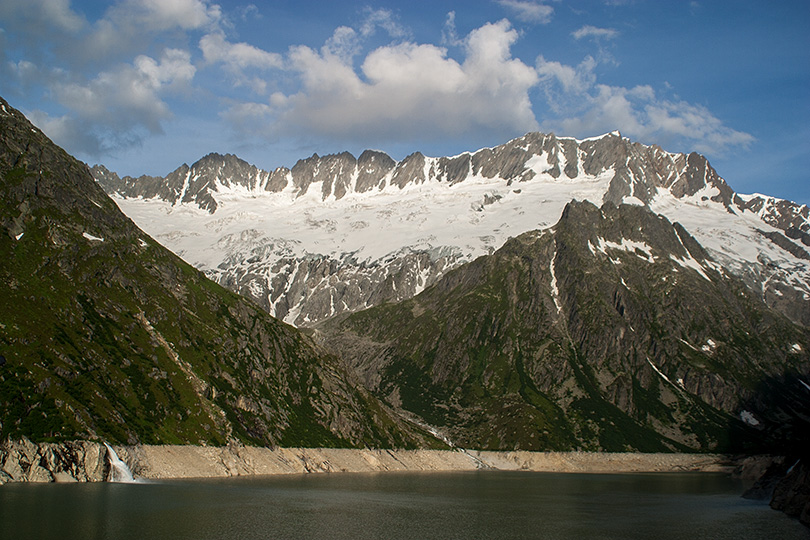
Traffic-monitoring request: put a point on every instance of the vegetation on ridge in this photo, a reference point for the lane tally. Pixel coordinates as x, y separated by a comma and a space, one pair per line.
104, 334
598, 334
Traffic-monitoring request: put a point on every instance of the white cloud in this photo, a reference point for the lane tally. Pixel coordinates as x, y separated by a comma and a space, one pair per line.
132, 26
407, 89
237, 56
694, 122
345, 43
382, 18
79, 136
449, 35
529, 11
240, 59
106, 92
112, 94
53, 30
114, 108
585, 108
248, 12
573, 80
173, 71
595, 33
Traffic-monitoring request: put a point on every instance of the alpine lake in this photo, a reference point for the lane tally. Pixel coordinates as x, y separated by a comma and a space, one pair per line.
459, 505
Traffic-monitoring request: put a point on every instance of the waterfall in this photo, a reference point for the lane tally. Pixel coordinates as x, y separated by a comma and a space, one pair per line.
119, 472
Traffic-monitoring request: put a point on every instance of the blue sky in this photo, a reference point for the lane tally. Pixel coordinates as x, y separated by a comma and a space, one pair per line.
143, 86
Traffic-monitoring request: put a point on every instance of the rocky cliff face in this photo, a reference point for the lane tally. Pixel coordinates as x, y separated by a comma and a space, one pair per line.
78, 461
612, 330
105, 334
638, 171
792, 493
296, 241
310, 289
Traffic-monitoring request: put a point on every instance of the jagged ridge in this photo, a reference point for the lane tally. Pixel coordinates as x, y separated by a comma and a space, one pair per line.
268, 259
612, 330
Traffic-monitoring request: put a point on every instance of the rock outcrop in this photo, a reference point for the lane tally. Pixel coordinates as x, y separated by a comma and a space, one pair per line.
784, 481
78, 461
792, 494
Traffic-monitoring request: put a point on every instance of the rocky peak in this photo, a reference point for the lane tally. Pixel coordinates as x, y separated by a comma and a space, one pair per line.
782, 214
638, 173
632, 229
410, 170
611, 330
335, 172
372, 168
109, 181
514, 178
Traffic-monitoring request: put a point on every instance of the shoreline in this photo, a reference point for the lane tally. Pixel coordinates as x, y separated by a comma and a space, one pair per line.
87, 461
179, 462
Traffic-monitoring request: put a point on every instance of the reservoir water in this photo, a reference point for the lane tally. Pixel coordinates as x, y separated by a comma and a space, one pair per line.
470, 505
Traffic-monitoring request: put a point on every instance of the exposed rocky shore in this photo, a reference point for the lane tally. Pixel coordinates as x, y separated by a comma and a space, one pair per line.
189, 461
78, 461
24, 461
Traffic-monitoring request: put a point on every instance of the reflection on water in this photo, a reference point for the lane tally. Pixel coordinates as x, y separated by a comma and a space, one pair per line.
488, 504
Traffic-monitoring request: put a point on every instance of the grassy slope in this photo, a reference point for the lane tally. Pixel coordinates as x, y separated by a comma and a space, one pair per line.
119, 339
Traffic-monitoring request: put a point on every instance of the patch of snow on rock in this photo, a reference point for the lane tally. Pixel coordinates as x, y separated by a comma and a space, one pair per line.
749, 418
91, 237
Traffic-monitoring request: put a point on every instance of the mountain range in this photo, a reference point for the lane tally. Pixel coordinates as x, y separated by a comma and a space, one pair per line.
612, 330
337, 234
549, 293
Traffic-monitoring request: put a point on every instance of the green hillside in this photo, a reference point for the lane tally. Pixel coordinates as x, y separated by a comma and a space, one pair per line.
106, 335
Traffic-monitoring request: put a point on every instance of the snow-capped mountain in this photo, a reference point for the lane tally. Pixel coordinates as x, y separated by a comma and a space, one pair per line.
338, 233
612, 330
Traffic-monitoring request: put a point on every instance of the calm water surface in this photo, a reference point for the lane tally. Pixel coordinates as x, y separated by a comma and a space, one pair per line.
466, 505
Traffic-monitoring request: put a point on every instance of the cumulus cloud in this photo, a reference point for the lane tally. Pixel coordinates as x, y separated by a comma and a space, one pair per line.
573, 80
528, 11
79, 135
118, 106
53, 30
407, 89
110, 93
113, 80
345, 43
38, 24
237, 56
449, 33
130, 94
131, 26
